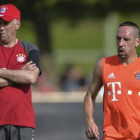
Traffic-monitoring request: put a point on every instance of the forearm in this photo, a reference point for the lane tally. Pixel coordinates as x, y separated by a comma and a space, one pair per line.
5, 82
88, 108
19, 76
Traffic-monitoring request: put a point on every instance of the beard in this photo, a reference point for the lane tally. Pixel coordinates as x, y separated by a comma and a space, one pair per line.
124, 56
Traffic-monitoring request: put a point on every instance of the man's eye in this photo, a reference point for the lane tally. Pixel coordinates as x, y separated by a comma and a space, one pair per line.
118, 39
126, 39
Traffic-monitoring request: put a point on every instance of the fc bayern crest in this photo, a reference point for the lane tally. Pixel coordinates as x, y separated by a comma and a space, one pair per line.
3, 10
21, 57
137, 75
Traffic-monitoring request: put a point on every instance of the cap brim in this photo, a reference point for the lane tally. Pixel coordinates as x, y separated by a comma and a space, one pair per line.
6, 18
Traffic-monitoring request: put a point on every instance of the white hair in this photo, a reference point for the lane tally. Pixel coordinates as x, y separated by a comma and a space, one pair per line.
16, 21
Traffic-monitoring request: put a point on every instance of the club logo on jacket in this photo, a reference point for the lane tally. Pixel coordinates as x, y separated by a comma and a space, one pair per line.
137, 75
20, 57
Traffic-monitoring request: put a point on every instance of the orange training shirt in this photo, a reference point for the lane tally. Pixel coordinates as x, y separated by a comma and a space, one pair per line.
121, 99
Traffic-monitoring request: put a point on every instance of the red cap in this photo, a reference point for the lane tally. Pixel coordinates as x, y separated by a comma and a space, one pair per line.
9, 12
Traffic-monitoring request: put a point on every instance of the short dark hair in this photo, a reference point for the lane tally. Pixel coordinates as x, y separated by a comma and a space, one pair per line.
131, 24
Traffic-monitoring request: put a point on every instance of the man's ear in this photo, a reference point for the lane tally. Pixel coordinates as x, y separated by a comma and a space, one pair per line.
137, 42
17, 25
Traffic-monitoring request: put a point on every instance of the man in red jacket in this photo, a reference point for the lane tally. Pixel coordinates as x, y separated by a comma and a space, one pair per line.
19, 67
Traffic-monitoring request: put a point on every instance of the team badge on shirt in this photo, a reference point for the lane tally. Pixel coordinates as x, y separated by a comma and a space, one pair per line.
20, 57
137, 75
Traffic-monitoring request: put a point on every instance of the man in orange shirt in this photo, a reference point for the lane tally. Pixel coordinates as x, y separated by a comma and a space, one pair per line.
120, 76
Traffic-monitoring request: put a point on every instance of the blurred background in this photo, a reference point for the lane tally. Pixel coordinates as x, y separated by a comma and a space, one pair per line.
71, 36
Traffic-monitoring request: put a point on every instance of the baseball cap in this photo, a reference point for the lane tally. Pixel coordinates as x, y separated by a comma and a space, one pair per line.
8, 12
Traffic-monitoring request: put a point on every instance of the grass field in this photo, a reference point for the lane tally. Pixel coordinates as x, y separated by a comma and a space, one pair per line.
86, 34
80, 44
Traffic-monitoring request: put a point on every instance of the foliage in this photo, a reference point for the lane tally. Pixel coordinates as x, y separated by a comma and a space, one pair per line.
43, 12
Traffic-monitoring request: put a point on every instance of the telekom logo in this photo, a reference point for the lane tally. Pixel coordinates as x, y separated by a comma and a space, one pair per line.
113, 90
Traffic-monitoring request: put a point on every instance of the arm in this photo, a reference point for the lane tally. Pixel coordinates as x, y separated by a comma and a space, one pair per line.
89, 101
28, 74
5, 82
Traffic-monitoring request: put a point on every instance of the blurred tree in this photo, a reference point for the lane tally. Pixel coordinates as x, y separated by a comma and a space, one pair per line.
41, 12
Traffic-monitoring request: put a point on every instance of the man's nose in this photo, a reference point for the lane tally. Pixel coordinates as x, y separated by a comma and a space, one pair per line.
1, 26
121, 42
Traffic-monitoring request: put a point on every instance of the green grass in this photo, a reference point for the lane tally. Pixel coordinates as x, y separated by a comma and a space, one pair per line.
87, 34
